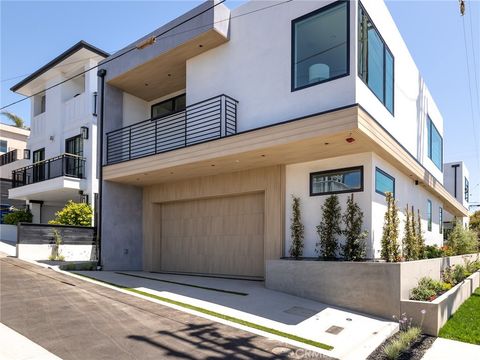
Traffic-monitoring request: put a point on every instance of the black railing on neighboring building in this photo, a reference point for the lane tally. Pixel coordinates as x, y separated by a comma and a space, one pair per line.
63, 165
8, 157
207, 120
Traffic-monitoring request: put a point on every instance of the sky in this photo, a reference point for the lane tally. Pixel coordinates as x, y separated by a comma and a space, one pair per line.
34, 32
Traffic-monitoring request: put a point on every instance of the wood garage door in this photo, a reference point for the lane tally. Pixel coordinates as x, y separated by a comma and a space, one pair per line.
214, 236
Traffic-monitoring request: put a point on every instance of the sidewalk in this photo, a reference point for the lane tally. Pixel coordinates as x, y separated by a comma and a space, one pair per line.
445, 349
14, 346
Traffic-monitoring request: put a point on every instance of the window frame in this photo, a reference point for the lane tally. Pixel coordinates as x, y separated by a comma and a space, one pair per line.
429, 215
174, 99
377, 169
466, 189
6, 145
292, 45
440, 220
385, 48
80, 143
430, 123
333, 171
41, 151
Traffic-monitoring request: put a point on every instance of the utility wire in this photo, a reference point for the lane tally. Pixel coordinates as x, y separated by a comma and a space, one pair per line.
475, 141
162, 35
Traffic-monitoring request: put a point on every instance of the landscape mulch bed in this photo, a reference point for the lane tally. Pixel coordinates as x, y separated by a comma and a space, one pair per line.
414, 352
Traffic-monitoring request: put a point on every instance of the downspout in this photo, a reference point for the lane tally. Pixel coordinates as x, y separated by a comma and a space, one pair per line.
101, 74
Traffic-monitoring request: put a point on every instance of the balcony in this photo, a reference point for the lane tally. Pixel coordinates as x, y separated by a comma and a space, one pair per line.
8, 157
198, 123
64, 165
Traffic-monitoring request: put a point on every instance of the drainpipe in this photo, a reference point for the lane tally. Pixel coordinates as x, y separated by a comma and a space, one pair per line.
101, 74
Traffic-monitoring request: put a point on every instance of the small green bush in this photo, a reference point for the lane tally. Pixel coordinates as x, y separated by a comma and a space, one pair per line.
78, 214
428, 289
55, 255
433, 251
18, 216
462, 241
405, 339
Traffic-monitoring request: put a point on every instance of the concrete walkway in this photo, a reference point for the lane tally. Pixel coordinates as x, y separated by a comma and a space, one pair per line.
353, 335
8, 247
445, 349
14, 346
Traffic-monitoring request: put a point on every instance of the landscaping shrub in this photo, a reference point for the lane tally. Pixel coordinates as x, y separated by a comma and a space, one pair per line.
410, 246
428, 289
355, 248
462, 241
297, 229
329, 228
433, 251
405, 338
78, 214
475, 226
419, 235
55, 255
390, 249
18, 216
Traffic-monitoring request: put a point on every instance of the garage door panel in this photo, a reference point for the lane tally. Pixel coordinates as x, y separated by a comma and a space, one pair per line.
219, 235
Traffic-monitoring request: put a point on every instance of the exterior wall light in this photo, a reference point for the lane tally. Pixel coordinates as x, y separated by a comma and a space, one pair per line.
26, 154
84, 132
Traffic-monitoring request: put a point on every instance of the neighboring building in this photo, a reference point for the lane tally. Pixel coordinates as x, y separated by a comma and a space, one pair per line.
456, 179
63, 140
209, 132
13, 142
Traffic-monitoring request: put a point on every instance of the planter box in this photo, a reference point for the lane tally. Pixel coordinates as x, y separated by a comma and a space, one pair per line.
375, 288
439, 310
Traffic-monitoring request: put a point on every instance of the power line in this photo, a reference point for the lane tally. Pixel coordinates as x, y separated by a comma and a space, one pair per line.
470, 94
156, 37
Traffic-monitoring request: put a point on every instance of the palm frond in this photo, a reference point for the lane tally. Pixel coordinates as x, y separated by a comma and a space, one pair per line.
17, 120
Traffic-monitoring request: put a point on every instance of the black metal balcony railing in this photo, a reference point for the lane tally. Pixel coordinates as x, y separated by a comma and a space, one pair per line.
63, 165
207, 120
8, 157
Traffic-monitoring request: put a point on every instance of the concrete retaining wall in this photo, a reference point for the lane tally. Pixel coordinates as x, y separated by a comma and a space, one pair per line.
369, 287
8, 233
440, 310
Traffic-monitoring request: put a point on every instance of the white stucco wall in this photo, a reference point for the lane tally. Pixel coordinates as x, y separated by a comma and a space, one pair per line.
43, 251
372, 204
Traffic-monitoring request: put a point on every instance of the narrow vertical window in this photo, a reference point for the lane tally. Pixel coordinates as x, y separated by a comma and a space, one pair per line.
320, 46
375, 61
440, 220
429, 214
435, 144
467, 190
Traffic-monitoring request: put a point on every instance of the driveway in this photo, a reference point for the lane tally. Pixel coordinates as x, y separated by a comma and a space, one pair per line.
75, 319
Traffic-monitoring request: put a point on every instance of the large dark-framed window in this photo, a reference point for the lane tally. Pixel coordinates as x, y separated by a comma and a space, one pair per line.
435, 144
336, 181
74, 165
320, 46
74, 145
384, 182
376, 64
429, 215
169, 106
39, 169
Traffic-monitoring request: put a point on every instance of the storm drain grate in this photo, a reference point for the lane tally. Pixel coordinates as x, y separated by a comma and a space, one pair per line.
335, 330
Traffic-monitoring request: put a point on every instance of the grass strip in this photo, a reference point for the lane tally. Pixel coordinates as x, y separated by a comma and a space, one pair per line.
184, 284
218, 315
464, 325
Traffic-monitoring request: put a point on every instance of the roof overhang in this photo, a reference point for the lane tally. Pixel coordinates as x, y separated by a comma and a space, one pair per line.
65, 62
159, 69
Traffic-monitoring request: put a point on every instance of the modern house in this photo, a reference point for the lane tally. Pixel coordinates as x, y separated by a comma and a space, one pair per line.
62, 146
456, 180
213, 121
13, 142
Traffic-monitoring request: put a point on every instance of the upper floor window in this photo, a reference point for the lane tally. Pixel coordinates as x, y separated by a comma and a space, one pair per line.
429, 215
375, 61
320, 46
39, 104
467, 190
384, 183
336, 181
435, 144
3, 146
169, 106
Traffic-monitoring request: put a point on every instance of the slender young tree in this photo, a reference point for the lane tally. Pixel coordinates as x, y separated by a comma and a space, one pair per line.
329, 228
390, 249
419, 236
297, 229
409, 241
355, 247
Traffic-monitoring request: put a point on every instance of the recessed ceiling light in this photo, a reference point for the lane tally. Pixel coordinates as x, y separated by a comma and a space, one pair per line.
200, 45
326, 143
212, 165
263, 155
169, 74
